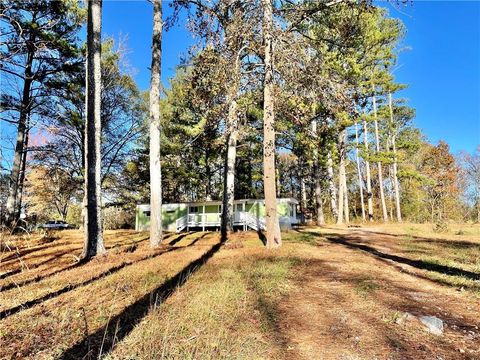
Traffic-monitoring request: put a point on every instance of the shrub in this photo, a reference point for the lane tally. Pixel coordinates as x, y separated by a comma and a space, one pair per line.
117, 218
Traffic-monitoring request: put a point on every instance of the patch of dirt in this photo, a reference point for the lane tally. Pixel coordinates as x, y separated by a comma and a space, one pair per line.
346, 301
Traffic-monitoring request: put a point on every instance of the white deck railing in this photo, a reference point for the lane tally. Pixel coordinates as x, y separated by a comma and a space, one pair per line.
207, 219
181, 223
240, 218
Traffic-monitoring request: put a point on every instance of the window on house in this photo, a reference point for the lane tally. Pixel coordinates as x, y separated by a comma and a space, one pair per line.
146, 213
193, 209
292, 209
171, 211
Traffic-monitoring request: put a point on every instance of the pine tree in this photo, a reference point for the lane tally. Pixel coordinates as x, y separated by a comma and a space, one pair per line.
41, 41
155, 164
93, 244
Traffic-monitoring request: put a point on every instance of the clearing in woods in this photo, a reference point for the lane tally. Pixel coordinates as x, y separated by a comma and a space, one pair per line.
328, 293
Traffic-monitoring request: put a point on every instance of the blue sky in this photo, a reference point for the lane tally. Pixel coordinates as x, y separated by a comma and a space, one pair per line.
442, 67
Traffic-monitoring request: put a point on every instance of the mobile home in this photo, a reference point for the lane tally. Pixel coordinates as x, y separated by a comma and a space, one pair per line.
249, 214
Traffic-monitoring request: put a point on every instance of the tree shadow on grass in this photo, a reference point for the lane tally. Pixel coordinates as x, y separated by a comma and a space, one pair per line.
28, 304
262, 237
37, 278
103, 340
178, 238
31, 267
419, 264
198, 239
453, 244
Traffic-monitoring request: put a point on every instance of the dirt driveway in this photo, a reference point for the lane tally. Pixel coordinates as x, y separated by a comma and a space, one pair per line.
358, 298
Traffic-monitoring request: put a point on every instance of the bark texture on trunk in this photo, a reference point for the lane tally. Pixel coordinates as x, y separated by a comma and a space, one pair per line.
332, 189
229, 172
232, 133
12, 214
379, 164
367, 169
342, 189
21, 181
360, 182
273, 236
155, 165
394, 165
345, 202
93, 215
303, 195
318, 185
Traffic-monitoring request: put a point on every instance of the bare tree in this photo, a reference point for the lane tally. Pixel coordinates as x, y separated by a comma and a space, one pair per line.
155, 165
93, 129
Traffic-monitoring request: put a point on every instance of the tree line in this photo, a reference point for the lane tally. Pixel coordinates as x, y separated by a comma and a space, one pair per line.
276, 99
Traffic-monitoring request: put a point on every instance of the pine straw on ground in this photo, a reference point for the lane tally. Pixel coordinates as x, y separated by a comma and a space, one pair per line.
328, 293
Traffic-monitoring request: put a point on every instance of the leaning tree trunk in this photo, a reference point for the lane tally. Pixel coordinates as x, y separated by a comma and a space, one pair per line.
93, 215
12, 206
155, 165
394, 165
332, 189
379, 163
274, 238
367, 170
360, 182
341, 176
318, 186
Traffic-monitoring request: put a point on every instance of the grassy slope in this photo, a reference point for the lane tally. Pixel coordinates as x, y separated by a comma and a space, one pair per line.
319, 295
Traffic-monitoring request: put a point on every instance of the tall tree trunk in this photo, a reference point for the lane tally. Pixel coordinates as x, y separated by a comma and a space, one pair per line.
394, 165
231, 153
93, 220
303, 195
379, 163
278, 182
274, 238
367, 169
345, 202
155, 165
229, 172
360, 182
208, 175
21, 181
341, 176
318, 186
332, 189
12, 206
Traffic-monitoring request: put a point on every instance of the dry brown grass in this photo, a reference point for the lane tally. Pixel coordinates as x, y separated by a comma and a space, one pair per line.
328, 293
48, 328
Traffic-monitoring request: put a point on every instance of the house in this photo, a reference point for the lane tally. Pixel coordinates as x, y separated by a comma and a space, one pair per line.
249, 214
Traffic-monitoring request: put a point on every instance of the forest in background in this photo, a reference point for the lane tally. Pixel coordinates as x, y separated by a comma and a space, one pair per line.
346, 144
